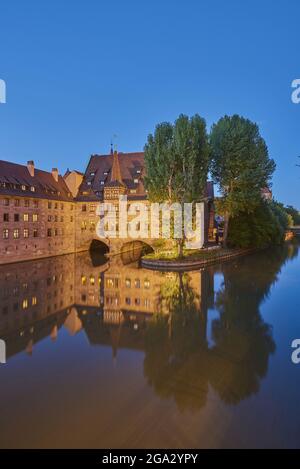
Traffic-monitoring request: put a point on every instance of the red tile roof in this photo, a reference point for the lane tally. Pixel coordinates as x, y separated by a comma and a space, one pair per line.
13, 176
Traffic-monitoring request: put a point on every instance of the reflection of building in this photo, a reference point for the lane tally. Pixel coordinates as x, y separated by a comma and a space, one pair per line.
43, 214
112, 302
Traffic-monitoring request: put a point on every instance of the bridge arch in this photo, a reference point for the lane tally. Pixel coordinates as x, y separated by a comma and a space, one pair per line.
132, 251
98, 245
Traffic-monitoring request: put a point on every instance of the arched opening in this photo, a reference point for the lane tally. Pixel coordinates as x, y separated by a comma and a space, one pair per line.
98, 251
134, 250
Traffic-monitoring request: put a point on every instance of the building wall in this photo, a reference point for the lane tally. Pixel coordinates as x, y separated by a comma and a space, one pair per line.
34, 228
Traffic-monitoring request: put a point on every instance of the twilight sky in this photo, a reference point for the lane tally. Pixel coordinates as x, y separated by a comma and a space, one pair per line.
79, 71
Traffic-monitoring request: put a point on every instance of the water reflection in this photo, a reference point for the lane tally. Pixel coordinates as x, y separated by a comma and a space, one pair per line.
164, 315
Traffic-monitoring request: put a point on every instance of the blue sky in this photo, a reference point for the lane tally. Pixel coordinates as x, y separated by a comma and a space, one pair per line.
78, 72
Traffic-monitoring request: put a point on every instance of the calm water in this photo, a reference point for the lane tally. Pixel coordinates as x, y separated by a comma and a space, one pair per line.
110, 355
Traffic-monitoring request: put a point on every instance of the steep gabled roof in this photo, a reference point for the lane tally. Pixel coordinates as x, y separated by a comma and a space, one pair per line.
13, 176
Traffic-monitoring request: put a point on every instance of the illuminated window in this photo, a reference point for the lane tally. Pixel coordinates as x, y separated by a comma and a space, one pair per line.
83, 280
5, 234
26, 217
25, 304
83, 225
35, 217
34, 301
92, 280
16, 234
147, 283
26, 233
128, 282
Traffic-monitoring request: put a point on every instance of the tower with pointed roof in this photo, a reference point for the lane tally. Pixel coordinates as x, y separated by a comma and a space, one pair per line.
115, 187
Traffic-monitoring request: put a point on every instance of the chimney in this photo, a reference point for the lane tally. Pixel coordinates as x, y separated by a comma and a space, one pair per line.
30, 167
55, 174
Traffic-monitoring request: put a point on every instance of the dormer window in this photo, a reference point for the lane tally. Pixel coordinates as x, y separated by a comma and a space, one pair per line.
102, 183
92, 174
136, 181
32, 188
105, 173
138, 171
23, 187
89, 183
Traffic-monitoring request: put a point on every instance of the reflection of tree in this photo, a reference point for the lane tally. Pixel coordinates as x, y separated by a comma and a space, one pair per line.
178, 362
243, 341
175, 347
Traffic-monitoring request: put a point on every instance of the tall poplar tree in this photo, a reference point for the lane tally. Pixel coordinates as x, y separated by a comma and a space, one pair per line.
177, 162
240, 165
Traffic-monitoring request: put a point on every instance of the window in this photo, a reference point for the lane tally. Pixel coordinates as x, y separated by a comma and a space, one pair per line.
5, 233
83, 280
137, 283
49, 232
36, 203
35, 217
17, 202
92, 280
25, 304
35, 233
6, 217
26, 203
23, 187
102, 183
56, 205
83, 225
137, 301
56, 232
26, 217
16, 233
92, 207
128, 301
128, 282
32, 188
49, 217
26, 233
49, 205
136, 181
6, 202
34, 301
16, 217
61, 206
83, 208
147, 284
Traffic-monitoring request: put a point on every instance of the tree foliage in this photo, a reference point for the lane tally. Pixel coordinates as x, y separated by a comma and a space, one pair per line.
240, 165
265, 226
177, 160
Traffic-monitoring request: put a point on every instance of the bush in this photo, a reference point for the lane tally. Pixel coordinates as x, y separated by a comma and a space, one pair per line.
261, 228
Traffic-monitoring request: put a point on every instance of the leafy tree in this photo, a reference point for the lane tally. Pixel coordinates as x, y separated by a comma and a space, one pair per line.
294, 213
264, 226
240, 166
177, 162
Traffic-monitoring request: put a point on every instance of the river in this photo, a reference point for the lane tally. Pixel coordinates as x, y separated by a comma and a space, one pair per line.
109, 355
